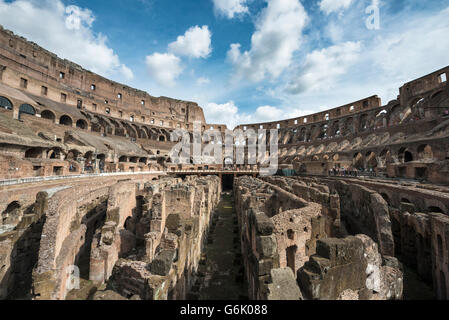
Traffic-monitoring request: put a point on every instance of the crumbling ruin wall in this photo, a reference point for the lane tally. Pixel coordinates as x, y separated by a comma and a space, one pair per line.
350, 269
19, 248
364, 211
326, 268
113, 240
165, 267
63, 237
278, 230
317, 193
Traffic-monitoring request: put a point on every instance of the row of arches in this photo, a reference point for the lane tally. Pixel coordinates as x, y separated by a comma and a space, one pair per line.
98, 123
392, 115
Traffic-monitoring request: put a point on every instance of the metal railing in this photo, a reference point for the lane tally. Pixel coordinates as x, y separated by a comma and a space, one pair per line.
10, 182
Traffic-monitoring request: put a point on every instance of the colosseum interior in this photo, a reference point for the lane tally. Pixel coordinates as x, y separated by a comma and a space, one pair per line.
358, 209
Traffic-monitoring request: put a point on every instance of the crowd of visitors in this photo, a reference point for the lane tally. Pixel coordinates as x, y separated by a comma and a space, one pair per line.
352, 172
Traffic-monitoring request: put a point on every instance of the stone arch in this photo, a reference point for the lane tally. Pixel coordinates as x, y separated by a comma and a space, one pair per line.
5, 103
335, 129
73, 154
65, 120
371, 160
26, 109
385, 157
386, 198
81, 124
34, 153
363, 123
405, 155
302, 134
435, 209
323, 131
358, 160
11, 215
395, 115
130, 130
425, 152
55, 153
161, 138
348, 127
49, 115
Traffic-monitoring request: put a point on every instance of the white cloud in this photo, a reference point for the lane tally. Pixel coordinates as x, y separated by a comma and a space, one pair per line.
76, 17
229, 114
230, 8
321, 68
226, 113
277, 37
329, 6
413, 51
165, 68
195, 43
65, 31
202, 81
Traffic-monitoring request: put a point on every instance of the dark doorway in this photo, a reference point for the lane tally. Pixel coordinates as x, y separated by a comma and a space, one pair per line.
227, 182
421, 173
291, 257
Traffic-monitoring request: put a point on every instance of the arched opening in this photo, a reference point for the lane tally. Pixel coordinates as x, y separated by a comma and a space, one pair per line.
405, 155
73, 155
54, 153
386, 198
81, 124
385, 157
66, 121
435, 210
348, 127
133, 159
34, 153
291, 234
5, 103
358, 161
123, 159
363, 123
11, 213
371, 160
47, 114
26, 109
425, 152
162, 138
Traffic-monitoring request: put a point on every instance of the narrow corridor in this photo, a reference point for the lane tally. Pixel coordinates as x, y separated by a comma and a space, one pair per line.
221, 270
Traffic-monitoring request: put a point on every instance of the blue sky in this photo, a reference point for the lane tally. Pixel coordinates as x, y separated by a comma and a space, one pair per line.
245, 61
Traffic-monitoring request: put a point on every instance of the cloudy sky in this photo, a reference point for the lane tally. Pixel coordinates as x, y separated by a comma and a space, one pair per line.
245, 61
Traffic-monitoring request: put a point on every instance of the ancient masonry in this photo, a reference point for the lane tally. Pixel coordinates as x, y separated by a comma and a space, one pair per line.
92, 206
